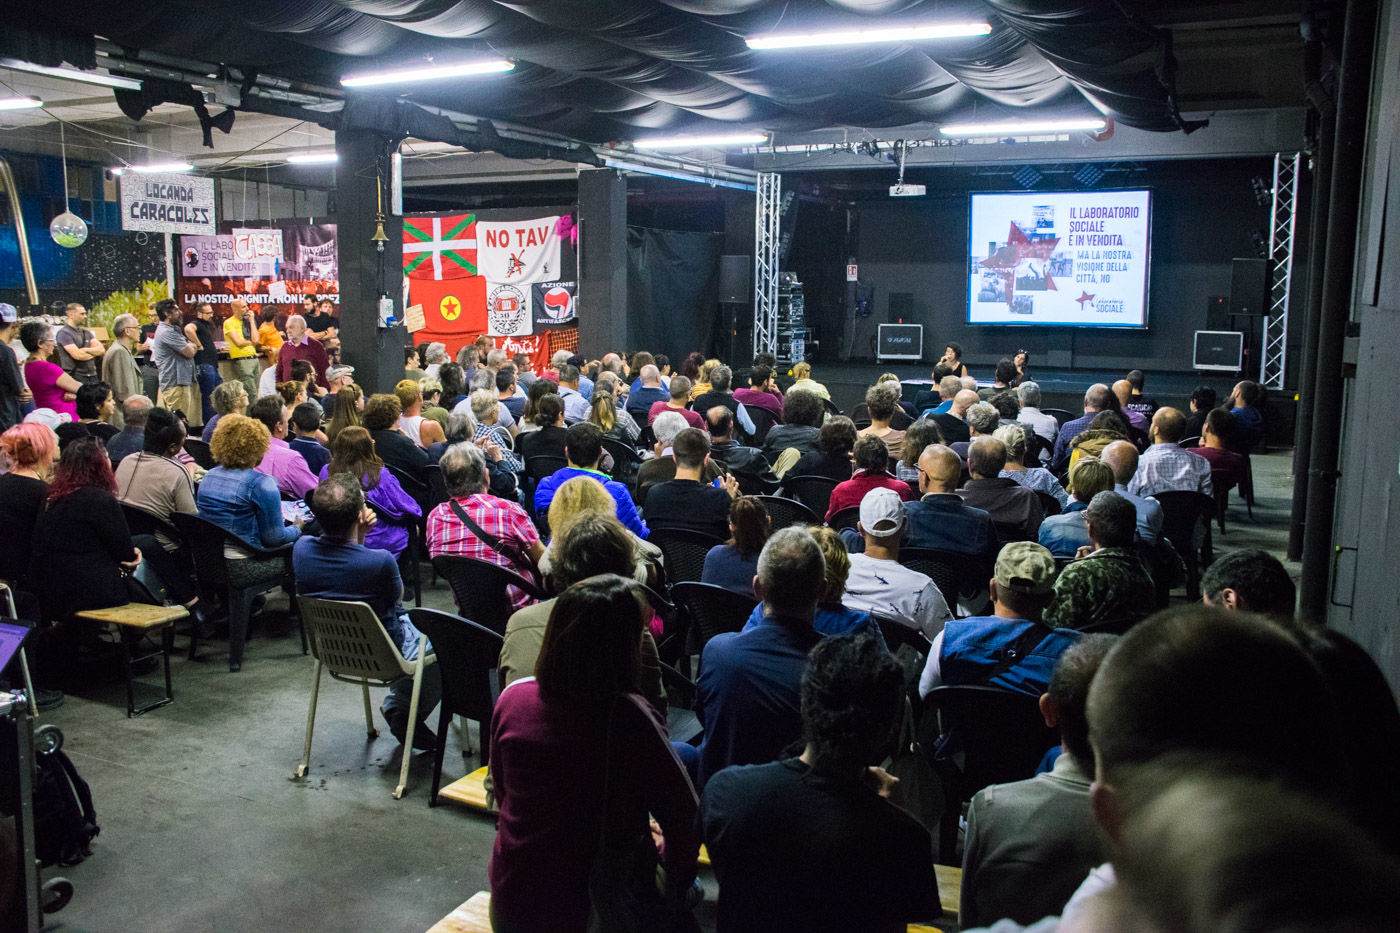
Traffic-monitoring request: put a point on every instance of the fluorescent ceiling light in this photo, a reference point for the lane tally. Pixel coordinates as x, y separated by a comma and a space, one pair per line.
73, 74
19, 103
428, 73
153, 168
695, 142
803, 40
312, 158
1023, 127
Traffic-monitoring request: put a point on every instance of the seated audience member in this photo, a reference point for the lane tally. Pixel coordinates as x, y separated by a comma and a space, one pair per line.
776, 832
1011, 648
584, 495
1147, 407
381, 420
921, 433
1015, 437
747, 692
879, 584
1202, 402
733, 564
1015, 510
292, 393
928, 396
719, 395
485, 409
1137, 421
882, 402
1227, 468
422, 431
1107, 588
802, 380
762, 392
646, 392
948, 387
982, 421
228, 398
546, 439
432, 402
337, 377
836, 442
575, 402
832, 619
1097, 398
952, 424
395, 511
509, 392
349, 410
871, 459
283, 464
1030, 843
1165, 466
153, 479
96, 409
803, 416
610, 418
1002, 376
29, 451
453, 381
581, 708
1064, 534
746, 464
583, 448
662, 466
340, 563
678, 402
308, 439
1122, 458
1045, 426
1249, 580
593, 543
465, 474
687, 502
940, 519
132, 437
1106, 428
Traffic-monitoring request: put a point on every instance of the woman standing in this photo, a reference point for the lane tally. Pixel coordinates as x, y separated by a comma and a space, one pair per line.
52, 387
352, 452
581, 707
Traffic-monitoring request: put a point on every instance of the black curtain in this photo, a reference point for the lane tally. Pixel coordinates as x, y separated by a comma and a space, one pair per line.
673, 291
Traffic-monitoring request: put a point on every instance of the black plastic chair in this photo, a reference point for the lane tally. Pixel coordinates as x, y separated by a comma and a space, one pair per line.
995, 736
684, 552
713, 610
846, 518
201, 453
949, 570
468, 656
1182, 514
1059, 414
812, 491
141, 522
536, 469
763, 421
897, 634
479, 587
1048, 503
784, 512
207, 541
625, 460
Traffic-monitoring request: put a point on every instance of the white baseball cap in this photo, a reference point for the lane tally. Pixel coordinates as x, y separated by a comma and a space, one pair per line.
882, 513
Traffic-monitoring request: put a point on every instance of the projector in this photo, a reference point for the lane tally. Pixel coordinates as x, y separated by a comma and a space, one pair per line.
906, 191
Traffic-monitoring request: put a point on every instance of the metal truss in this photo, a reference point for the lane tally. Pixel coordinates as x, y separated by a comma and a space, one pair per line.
765, 264
1282, 223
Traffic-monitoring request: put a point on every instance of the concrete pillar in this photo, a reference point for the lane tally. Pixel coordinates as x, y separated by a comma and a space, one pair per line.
602, 214
365, 272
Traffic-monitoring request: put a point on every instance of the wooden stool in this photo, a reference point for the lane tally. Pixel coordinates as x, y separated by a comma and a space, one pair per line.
141, 618
471, 916
470, 791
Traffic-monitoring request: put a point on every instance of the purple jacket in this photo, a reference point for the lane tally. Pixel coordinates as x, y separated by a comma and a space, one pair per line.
396, 510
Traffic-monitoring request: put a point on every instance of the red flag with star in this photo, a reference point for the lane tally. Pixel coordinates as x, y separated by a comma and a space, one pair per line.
452, 306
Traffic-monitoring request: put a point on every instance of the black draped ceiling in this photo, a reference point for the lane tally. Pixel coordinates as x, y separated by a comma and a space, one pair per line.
600, 70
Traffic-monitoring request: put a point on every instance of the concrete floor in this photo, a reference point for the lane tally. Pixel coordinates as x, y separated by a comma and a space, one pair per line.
203, 827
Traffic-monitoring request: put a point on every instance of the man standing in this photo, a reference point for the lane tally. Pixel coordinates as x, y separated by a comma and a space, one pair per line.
879, 584
1107, 588
240, 334
323, 325
1165, 466
200, 332
78, 348
300, 346
13, 392
173, 355
119, 368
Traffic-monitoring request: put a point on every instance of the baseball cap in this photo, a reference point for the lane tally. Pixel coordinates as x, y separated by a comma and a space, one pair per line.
1025, 567
8, 313
340, 369
882, 513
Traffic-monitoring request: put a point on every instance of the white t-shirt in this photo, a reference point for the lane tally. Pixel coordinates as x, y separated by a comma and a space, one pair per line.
889, 589
267, 382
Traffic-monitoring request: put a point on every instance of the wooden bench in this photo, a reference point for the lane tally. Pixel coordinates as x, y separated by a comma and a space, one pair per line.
141, 618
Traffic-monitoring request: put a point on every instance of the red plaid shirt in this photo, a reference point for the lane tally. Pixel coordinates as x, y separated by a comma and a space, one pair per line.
499, 517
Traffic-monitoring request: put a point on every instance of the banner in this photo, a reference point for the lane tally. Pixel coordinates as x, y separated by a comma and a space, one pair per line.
271, 267
167, 203
508, 309
231, 256
554, 303
516, 251
439, 248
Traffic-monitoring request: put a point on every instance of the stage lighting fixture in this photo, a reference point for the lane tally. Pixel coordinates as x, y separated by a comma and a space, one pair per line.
1261, 244
714, 140
73, 74
867, 36
152, 168
1263, 191
1023, 127
20, 103
429, 73
312, 158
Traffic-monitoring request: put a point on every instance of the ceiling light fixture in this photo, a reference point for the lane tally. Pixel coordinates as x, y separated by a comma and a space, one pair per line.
429, 73
1024, 127
73, 74
312, 158
835, 37
714, 140
152, 168
20, 103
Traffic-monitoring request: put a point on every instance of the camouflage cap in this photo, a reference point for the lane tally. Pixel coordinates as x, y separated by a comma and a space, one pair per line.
1025, 567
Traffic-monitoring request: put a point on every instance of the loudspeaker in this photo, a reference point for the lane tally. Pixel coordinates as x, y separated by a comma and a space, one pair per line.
735, 280
1217, 313
901, 307
1249, 286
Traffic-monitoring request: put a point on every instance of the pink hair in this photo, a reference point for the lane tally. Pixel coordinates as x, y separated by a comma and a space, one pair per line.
27, 444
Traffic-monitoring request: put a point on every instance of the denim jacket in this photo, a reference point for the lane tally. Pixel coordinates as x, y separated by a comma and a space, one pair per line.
246, 503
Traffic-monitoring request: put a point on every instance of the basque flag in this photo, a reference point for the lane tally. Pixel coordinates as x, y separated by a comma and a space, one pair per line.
439, 247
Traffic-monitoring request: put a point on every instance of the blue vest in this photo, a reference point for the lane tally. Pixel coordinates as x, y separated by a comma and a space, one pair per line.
972, 649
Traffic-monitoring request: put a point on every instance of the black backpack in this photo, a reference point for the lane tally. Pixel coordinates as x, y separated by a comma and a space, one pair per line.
64, 819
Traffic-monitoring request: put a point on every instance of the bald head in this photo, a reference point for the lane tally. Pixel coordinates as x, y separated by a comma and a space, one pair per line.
1096, 397
1124, 390
1122, 458
964, 400
1167, 426
939, 469
651, 376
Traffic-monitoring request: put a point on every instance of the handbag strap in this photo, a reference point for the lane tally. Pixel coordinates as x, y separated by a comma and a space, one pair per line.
1014, 652
509, 551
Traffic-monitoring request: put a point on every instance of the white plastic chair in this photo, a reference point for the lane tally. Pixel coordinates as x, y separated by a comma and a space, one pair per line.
349, 642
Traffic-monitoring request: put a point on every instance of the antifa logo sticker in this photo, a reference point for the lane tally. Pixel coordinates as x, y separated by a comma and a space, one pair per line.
505, 309
558, 304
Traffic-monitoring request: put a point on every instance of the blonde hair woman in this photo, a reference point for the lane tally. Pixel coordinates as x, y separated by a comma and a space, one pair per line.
802, 373
581, 496
702, 384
